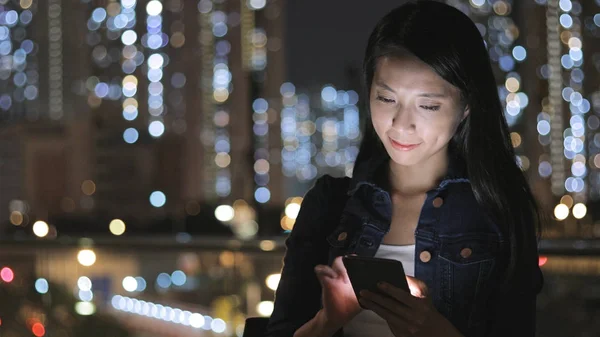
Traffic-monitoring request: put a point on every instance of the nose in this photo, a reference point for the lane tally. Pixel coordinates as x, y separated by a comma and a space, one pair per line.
403, 121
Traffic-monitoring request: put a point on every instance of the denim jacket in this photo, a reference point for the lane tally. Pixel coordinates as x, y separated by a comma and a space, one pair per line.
460, 253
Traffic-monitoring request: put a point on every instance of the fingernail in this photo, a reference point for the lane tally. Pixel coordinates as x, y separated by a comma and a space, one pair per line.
382, 285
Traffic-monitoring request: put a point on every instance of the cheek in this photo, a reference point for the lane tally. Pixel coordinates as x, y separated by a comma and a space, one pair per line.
380, 121
454, 125
439, 129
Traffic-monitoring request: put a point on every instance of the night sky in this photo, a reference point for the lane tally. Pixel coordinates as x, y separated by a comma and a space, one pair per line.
325, 36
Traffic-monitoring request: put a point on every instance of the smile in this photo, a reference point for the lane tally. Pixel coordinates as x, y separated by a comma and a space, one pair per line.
403, 147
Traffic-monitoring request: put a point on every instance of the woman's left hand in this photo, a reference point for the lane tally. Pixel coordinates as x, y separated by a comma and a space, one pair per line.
408, 315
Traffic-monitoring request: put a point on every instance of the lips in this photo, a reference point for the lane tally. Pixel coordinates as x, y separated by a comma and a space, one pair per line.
403, 146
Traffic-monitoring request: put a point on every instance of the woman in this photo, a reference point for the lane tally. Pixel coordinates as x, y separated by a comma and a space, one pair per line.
435, 186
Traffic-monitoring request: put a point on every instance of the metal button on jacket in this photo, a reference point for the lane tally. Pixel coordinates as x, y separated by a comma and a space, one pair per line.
425, 256
466, 252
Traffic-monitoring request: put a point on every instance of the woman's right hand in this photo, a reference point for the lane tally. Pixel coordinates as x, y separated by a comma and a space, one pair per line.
339, 301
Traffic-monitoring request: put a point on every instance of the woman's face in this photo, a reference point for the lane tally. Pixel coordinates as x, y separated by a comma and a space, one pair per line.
414, 111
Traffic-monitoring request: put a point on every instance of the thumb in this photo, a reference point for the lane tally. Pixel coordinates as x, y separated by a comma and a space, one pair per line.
340, 269
417, 287
324, 272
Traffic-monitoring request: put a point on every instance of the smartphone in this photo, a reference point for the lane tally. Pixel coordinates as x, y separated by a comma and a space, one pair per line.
366, 272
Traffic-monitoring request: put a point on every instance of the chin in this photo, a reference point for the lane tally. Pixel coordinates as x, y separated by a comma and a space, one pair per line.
405, 161
405, 158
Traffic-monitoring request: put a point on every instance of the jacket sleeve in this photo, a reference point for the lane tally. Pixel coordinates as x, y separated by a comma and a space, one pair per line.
515, 310
298, 296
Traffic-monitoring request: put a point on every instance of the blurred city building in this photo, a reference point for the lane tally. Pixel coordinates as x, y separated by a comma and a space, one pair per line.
321, 134
156, 108
545, 55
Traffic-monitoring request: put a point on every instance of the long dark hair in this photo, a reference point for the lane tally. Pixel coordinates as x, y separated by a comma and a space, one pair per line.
448, 41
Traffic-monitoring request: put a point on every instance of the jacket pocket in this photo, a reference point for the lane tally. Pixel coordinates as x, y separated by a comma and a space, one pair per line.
466, 269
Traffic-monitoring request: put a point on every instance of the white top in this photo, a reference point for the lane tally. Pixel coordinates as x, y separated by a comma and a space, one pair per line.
367, 323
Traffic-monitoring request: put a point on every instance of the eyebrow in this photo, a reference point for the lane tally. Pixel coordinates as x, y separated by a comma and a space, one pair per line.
424, 94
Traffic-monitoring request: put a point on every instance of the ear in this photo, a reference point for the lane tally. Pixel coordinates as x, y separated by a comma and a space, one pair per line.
465, 113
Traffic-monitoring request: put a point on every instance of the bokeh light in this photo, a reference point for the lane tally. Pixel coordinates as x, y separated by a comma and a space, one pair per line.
154, 7
141, 284
85, 308
163, 280
579, 211
131, 135
292, 210
117, 227
41, 285
130, 284
272, 281
84, 283
7, 275
178, 278
86, 257
88, 187
224, 213
561, 211
265, 308
267, 245
40, 229
38, 329
158, 199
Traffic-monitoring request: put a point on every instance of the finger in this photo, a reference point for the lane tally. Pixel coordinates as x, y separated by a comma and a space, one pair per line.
392, 305
399, 294
340, 269
325, 277
417, 287
400, 326
325, 271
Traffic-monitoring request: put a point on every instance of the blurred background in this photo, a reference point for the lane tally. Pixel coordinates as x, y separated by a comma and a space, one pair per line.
154, 154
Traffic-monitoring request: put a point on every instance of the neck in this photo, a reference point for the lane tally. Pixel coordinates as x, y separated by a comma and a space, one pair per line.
421, 177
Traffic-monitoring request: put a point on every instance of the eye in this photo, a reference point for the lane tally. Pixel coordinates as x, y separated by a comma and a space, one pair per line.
385, 100
432, 107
